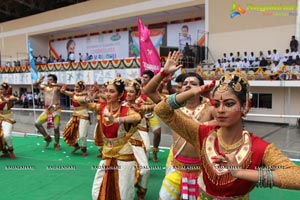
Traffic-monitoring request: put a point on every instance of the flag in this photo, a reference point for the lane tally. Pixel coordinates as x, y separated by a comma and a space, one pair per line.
149, 57
34, 72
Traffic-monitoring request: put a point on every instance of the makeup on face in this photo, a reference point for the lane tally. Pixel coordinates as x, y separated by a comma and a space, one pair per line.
227, 107
190, 82
111, 94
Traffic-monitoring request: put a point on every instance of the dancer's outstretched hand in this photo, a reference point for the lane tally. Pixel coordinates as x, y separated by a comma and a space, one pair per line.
171, 65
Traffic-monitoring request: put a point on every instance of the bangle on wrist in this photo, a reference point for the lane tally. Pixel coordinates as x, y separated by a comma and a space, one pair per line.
163, 73
119, 120
200, 91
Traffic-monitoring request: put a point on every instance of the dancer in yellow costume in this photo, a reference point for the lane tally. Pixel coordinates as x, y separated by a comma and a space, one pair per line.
52, 110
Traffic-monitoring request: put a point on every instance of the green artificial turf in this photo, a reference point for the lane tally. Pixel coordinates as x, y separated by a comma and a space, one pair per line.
40, 173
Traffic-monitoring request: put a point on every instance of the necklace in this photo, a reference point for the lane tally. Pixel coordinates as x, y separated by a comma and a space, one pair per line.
196, 113
228, 147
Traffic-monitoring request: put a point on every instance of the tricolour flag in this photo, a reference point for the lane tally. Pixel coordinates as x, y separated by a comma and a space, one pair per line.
150, 59
34, 72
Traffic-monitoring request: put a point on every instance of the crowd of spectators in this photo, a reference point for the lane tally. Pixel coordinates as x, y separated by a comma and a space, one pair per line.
270, 62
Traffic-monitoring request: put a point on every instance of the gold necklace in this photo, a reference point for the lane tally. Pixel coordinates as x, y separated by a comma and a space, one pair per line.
228, 147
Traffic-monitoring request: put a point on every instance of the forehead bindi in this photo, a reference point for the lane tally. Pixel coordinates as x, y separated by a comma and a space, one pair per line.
191, 79
225, 96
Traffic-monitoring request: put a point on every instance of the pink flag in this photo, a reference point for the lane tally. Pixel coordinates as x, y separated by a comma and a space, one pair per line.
150, 59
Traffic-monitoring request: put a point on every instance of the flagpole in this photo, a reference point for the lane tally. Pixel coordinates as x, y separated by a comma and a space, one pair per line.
32, 91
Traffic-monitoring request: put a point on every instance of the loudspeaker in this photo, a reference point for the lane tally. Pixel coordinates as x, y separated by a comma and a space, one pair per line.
200, 55
164, 51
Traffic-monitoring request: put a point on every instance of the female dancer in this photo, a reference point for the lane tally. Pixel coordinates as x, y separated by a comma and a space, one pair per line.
140, 140
233, 160
78, 125
115, 174
6, 120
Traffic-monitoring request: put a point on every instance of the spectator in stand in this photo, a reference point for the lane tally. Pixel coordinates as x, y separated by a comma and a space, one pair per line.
294, 54
238, 63
217, 64
290, 61
230, 57
232, 62
87, 57
295, 71
263, 63
294, 44
238, 55
245, 56
80, 57
275, 55
224, 65
251, 57
275, 67
224, 57
286, 55
51, 59
261, 54
246, 65
269, 56
297, 60
255, 63
39, 60
44, 60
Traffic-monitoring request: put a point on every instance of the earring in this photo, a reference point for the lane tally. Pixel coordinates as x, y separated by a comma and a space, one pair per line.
244, 115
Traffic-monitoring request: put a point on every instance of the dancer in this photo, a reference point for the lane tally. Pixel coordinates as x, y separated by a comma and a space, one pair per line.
183, 164
77, 127
6, 120
97, 92
152, 118
140, 140
52, 110
115, 174
233, 160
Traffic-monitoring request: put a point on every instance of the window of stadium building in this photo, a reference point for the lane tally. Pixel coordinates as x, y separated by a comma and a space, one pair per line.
262, 100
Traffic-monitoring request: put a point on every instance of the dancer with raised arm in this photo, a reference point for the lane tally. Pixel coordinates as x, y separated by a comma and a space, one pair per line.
233, 160
77, 127
183, 165
52, 110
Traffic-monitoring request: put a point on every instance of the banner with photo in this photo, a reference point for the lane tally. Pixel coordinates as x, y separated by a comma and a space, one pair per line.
96, 47
157, 37
191, 33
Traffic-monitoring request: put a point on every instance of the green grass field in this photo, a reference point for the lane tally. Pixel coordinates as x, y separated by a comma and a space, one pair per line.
32, 177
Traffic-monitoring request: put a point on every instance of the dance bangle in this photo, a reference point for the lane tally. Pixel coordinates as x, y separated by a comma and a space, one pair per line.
163, 73
271, 179
173, 103
259, 177
265, 178
119, 120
